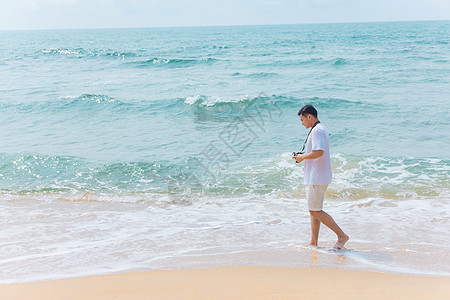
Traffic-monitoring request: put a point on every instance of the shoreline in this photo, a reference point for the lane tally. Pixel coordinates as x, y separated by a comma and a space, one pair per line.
236, 282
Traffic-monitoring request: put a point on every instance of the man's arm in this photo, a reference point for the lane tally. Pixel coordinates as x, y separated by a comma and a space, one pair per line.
311, 155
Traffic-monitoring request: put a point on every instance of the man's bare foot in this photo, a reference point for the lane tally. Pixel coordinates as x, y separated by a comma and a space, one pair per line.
341, 242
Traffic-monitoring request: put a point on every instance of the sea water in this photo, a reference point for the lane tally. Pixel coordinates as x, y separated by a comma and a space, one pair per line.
170, 148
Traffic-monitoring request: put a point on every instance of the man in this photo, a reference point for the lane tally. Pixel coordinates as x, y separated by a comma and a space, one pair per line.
317, 175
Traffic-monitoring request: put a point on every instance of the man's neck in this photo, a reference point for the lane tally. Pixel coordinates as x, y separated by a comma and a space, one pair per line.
314, 123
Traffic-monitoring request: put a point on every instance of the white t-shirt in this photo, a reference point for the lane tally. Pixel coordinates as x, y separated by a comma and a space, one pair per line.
318, 171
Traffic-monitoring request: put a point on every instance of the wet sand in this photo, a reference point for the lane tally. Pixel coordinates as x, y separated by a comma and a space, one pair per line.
242, 282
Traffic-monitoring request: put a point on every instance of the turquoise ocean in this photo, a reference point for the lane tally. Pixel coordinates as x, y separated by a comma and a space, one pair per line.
169, 148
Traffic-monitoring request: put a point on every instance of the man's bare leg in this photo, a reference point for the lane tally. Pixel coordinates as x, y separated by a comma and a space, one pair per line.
315, 227
330, 223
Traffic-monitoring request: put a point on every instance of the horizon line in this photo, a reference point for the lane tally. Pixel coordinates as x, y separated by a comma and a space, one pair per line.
227, 25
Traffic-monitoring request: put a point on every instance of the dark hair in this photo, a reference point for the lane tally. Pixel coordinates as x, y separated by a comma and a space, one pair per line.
308, 109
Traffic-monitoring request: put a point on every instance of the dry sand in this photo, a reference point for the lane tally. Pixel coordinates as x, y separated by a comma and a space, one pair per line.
246, 282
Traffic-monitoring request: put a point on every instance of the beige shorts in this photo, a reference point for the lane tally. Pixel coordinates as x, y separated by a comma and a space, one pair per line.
315, 195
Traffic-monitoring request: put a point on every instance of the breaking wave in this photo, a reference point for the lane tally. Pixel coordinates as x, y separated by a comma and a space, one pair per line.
355, 178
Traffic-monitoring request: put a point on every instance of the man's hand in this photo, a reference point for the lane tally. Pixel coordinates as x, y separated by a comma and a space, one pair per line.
299, 157
311, 155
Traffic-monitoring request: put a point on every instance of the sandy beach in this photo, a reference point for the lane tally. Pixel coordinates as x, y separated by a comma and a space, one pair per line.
243, 282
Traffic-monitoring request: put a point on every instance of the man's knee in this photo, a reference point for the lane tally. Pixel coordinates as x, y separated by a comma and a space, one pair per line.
314, 213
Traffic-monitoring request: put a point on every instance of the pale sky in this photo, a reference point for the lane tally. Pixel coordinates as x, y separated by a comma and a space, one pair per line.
62, 14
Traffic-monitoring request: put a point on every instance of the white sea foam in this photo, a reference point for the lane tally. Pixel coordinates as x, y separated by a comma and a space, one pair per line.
60, 239
213, 100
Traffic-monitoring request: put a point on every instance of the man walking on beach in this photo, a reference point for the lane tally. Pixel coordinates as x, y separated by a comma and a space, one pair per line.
317, 175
